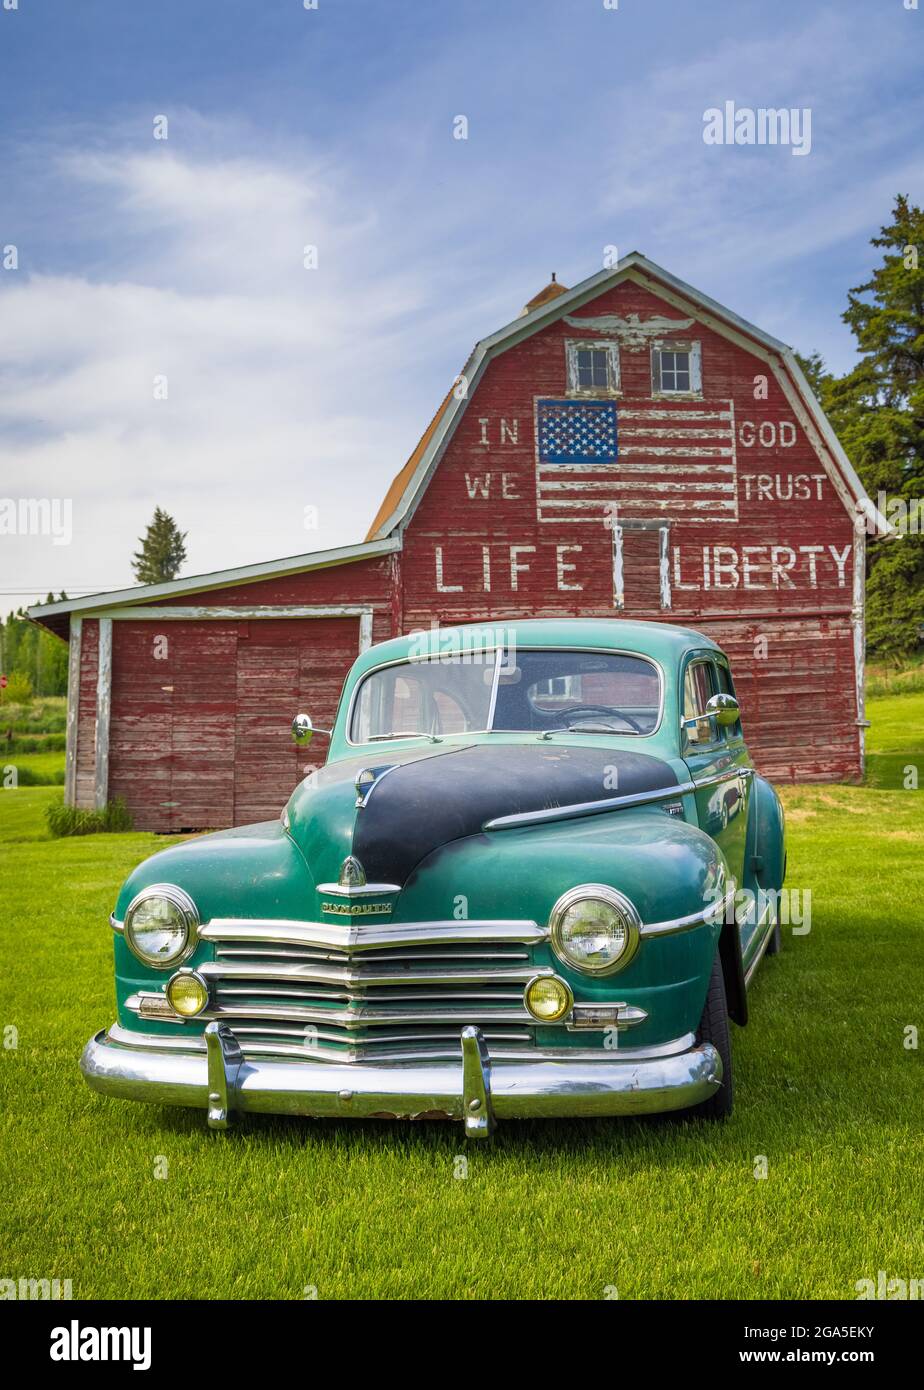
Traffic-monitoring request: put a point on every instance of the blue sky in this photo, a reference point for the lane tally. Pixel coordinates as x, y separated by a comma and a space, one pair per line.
290, 388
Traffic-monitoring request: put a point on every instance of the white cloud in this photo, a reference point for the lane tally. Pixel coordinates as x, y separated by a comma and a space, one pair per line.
281, 381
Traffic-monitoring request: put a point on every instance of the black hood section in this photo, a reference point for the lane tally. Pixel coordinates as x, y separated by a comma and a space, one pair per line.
419, 806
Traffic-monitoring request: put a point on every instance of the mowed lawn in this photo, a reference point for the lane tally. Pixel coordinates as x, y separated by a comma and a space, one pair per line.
827, 1093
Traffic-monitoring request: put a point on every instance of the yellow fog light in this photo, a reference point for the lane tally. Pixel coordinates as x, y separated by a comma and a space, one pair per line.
548, 998
187, 993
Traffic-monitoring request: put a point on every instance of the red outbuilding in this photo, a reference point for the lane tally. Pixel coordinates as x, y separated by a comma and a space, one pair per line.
626, 448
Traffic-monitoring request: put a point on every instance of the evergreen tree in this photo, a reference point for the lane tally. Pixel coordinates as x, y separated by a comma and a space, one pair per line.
877, 410
162, 551
815, 372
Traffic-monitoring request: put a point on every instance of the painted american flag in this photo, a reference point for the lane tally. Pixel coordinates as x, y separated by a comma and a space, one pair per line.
661, 459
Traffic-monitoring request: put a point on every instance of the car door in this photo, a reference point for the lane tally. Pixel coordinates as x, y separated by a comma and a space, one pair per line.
718, 762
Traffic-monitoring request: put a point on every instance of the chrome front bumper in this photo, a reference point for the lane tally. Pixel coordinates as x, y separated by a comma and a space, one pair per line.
476, 1089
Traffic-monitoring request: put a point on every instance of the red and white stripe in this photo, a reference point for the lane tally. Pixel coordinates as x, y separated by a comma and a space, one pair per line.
676, 462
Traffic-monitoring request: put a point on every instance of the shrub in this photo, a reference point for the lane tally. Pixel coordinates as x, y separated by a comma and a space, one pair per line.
18, 689
898, 678
47, 715
32, 777
49, 743
71, 820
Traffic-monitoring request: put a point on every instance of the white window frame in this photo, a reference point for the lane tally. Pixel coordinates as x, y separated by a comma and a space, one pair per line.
696, 369
572, 347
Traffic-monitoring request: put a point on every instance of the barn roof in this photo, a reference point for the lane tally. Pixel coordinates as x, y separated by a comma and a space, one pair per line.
55, 616
409, 485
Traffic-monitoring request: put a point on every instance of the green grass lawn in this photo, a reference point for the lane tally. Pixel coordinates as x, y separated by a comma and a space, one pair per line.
896, 741
826, 1091
45, 768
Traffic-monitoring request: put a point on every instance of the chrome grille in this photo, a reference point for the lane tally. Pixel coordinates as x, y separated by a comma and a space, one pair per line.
317, 991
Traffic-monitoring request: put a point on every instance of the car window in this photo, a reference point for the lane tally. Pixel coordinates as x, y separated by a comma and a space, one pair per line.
608, 692
699, 685
424, 697
528, 690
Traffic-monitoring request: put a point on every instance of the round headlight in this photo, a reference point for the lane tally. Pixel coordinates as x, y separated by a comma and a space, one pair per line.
595, 929
160, 925
548, 998
187, 993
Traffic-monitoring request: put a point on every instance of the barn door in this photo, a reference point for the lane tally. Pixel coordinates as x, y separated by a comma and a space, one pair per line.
283, 666
171, 735
202, 692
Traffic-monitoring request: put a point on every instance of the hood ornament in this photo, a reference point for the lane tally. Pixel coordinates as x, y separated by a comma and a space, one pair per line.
368, 778
365, 781
352, 874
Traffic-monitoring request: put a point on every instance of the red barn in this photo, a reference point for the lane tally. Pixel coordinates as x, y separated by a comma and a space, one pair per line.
628, 447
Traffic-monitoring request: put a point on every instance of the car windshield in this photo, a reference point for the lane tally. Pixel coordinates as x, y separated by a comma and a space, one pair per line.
531, 691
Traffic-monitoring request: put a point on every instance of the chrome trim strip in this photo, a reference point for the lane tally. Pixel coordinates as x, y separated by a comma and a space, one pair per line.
363, 936
365, 1016
586, 808
728, 775
759, 955
495, 682
370, 889
367, 974
571, 1083
115, 923
127, 1038
695, 919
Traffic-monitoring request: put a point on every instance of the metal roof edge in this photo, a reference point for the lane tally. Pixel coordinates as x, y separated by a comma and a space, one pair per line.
144, 593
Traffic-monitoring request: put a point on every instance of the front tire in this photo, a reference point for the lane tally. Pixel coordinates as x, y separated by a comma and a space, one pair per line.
713, 1028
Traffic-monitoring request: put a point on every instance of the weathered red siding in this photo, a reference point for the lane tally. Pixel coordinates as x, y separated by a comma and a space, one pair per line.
475, 548
202, 708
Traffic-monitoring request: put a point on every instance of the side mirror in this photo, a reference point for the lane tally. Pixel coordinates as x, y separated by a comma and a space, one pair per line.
303, 729
724, 708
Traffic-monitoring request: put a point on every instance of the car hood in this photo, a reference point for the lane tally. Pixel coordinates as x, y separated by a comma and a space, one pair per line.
422, 799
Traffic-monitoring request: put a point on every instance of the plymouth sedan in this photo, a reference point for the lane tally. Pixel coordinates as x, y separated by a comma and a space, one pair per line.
534, 877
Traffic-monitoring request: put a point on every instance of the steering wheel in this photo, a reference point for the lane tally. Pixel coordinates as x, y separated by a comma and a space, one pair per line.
602, 709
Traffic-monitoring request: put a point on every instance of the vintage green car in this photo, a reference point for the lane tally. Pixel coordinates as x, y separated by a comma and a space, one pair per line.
533, 878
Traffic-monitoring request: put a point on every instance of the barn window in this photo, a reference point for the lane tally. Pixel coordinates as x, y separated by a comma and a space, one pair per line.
593, 368
675, 369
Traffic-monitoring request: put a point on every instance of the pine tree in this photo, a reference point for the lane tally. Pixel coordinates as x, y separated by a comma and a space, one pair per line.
162, 551
815, 372
878, 412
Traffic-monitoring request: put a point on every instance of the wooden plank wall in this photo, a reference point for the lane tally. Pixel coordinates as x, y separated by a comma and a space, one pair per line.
200, 731
475, 549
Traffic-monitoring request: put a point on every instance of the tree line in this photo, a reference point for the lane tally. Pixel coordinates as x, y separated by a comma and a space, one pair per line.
34, 662
877, 411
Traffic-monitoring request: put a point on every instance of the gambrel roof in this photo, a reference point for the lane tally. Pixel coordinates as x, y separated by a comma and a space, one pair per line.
409, 485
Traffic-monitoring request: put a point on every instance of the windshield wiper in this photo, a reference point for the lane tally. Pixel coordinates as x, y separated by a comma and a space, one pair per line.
582, 729
375, 738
